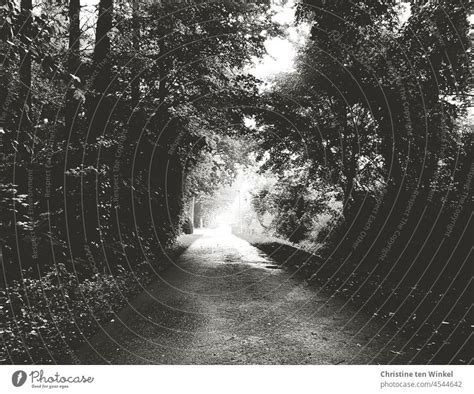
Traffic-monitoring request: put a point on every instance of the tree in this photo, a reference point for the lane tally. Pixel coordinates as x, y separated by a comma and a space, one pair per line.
135, 94
188, 84
73, 97
367, 99
26, 6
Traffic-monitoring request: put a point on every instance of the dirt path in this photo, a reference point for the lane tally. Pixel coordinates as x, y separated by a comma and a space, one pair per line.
225, 303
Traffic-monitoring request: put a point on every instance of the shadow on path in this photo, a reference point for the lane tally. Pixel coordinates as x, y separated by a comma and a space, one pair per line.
225, 302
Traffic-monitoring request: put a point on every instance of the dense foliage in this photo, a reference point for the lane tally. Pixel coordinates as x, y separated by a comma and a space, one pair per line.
107, 130
376, 111
110, 128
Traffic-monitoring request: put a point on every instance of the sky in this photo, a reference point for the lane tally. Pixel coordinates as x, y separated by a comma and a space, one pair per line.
281, 52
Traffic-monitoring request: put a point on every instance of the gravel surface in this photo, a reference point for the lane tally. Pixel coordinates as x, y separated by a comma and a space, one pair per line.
225, 302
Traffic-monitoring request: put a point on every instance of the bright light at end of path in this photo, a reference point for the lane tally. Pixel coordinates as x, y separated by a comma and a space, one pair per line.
223, 223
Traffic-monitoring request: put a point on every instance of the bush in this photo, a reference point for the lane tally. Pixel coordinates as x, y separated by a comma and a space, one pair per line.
44, 319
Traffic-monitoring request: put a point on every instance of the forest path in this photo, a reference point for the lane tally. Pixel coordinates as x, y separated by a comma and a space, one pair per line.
224, 302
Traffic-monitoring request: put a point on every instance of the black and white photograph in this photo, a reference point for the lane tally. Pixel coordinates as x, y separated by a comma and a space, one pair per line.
236, 183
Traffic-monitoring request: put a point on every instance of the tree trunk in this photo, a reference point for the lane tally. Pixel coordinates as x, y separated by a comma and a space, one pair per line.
73, 63
102, 65
137, 117
4, 83
25, 58
135, 84
99, 108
